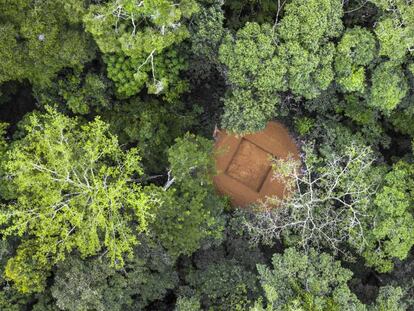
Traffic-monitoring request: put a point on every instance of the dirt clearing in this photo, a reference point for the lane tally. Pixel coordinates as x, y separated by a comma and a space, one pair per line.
244, 163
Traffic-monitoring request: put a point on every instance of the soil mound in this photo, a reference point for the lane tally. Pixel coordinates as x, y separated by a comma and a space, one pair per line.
243, 163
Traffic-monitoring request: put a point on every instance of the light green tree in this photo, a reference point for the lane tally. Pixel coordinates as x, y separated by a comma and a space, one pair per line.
304, 44
255, 76
393, 235
309, 282
354, 52
295, 55
389, 299
315, 282
189, 210
395, 29
69, 187
389, 86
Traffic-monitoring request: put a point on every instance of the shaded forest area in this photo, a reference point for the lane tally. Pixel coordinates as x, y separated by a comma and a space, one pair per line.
107, 111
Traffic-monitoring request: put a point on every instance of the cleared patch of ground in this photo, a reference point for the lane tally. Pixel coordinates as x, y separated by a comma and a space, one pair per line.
244, 163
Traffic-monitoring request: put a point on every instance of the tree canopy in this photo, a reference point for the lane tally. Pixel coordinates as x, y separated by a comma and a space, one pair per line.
112, 118
139, 43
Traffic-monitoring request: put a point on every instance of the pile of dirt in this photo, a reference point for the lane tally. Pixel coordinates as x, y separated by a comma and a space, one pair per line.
243, 163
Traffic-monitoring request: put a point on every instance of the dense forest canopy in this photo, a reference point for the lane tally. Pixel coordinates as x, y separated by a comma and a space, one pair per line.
107, 115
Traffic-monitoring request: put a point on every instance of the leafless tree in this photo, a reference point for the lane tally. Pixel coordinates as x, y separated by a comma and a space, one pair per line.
324, 205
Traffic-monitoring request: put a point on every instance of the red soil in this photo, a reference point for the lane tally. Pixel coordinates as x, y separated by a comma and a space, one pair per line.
244, 163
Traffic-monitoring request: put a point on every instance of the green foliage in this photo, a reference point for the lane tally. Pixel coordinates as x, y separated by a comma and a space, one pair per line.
250, 61
191, 161
401, 117
3, 142
311, 23
356, 108
80, 93
304, 125
342, 118
11, 300
206, 34
122, 214
389, 299
187, 304
93, 285
366, 122
255, 76
223, 286
401, 121
151, 125
129, 81
261, 62
44, 302
82, 285
395, 30
241, 11
139, 41
189, 210
389, 87
243, 114
307, 73
300, 281
186, 217
393, 235
26, 269
304, 34
39, 38
354, 52
71, 188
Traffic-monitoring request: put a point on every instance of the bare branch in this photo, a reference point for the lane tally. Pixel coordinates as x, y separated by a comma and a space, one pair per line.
325, 206
169, 182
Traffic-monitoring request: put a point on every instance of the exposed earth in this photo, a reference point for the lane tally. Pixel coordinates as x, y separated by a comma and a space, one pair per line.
243, 163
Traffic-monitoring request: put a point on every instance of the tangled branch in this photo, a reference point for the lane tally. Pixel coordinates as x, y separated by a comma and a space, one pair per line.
324, 204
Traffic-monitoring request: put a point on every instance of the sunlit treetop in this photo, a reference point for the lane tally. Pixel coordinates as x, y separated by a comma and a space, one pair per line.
70, 186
